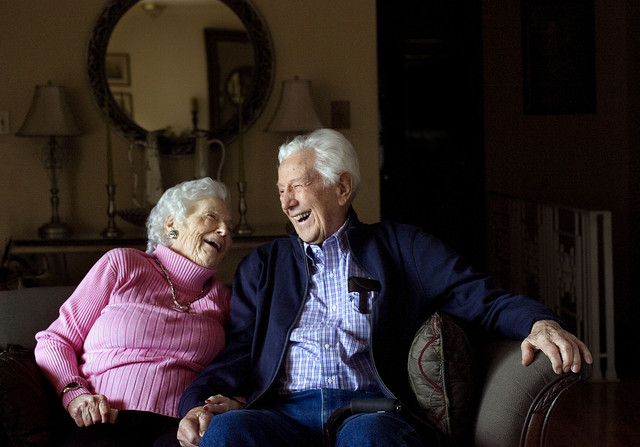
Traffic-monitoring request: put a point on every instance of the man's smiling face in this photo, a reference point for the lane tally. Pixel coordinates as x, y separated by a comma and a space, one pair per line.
315, 210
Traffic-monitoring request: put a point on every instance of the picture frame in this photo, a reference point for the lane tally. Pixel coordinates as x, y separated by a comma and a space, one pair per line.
228, 52
125, 101
118, 69
558, 49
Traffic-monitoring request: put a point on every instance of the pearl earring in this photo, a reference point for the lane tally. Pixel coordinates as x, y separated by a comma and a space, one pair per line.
173, 234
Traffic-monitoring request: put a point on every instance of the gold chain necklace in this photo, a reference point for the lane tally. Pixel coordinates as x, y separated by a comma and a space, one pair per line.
176, 305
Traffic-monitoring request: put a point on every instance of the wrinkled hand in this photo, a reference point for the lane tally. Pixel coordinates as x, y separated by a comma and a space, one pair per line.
197, 420
563, 348
193, 426
219, 404
89, 409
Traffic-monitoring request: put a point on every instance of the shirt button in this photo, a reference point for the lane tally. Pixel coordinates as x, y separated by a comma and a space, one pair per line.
327, 346
329, 380
334, 307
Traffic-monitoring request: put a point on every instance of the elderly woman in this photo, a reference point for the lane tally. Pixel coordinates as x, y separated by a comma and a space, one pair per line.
140, 326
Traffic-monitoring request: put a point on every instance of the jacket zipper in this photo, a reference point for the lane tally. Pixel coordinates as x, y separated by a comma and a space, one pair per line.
383, 387
280, 361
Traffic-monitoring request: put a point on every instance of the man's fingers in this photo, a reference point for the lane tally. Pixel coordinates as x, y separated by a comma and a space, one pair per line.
586, 353
192, 426
535, 343
528, 351
564, 350
204, 418
551, 351
188, 433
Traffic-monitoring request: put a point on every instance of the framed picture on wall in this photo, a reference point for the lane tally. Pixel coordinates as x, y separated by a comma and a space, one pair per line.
558, 48
125, 101
117, 68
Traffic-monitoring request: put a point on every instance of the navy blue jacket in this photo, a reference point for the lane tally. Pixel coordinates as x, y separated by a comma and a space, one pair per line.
418, 275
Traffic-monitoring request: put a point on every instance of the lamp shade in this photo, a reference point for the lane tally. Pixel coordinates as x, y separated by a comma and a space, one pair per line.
49, 114
295, 111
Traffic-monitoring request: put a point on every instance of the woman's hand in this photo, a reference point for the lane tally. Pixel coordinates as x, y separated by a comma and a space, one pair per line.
89, 409
219, 404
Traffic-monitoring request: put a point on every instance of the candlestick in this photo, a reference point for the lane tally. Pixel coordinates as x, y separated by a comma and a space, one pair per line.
243, 228
109, 153
241, 178
153, 189
112, 231
194, 114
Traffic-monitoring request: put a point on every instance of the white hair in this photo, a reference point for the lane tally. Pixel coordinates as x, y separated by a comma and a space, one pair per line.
176, 202
335, 155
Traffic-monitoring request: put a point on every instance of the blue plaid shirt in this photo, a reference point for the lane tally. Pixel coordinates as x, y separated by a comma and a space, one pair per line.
329, 347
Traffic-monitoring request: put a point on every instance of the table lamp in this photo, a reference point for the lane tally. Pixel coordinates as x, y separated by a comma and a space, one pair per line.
295, 112
50, 116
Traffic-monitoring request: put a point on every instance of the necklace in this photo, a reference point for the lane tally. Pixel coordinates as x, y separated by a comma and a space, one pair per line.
176, 305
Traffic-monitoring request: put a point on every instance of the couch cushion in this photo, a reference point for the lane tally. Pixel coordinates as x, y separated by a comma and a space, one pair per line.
442, 376
26, 311
27, 416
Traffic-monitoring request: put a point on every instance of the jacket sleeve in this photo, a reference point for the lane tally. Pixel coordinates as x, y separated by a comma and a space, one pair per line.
469, 294
228, 374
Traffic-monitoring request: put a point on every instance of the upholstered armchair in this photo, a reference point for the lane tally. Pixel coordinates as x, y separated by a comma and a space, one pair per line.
471, 389
512, 406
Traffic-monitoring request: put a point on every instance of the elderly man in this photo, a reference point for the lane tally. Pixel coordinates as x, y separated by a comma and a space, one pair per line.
301, 343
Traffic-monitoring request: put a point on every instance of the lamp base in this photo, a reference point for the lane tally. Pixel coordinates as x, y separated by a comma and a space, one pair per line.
54, 230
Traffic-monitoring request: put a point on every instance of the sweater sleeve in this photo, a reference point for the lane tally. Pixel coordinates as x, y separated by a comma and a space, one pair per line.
59, 347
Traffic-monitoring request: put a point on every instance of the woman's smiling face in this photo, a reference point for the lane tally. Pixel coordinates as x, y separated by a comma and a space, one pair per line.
205, 236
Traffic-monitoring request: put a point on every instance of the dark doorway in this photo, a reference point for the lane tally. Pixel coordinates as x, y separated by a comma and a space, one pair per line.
432, 161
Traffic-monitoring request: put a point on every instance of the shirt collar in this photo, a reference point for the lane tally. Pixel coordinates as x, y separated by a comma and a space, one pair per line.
339, 237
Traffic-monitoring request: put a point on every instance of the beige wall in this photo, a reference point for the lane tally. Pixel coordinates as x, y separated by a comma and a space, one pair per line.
330, 42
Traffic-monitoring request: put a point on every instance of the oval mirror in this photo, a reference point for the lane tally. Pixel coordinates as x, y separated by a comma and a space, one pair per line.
180, 66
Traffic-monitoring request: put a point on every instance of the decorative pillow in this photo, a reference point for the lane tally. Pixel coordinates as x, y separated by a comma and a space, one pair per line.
442, 377
26, 416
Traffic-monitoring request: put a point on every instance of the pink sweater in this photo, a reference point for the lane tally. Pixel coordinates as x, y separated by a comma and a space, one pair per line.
118, 336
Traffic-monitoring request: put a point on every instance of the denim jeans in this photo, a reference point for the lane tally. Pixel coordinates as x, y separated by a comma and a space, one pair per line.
298, 419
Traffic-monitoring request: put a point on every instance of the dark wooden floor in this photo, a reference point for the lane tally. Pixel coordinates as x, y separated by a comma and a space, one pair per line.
597, 414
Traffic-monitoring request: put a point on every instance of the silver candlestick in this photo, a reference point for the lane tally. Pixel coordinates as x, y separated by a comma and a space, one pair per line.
243, 228
111, 232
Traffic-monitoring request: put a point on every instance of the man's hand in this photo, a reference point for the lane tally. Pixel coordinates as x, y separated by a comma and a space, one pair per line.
193, 426
197, 420
89, 409
563, 349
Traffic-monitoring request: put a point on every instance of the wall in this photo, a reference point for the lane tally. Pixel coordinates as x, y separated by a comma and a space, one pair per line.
330, 42
581, 161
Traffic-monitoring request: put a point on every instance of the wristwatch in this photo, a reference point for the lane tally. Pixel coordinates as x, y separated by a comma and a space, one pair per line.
70, 387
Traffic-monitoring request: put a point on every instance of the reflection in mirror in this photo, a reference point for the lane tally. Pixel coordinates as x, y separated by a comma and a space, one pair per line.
170, 71
230, 69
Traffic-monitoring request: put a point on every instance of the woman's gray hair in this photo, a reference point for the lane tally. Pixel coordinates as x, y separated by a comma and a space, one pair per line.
176, 201
334, 155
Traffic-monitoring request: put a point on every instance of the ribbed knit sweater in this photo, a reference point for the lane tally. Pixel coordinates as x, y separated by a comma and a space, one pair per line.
117, 334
